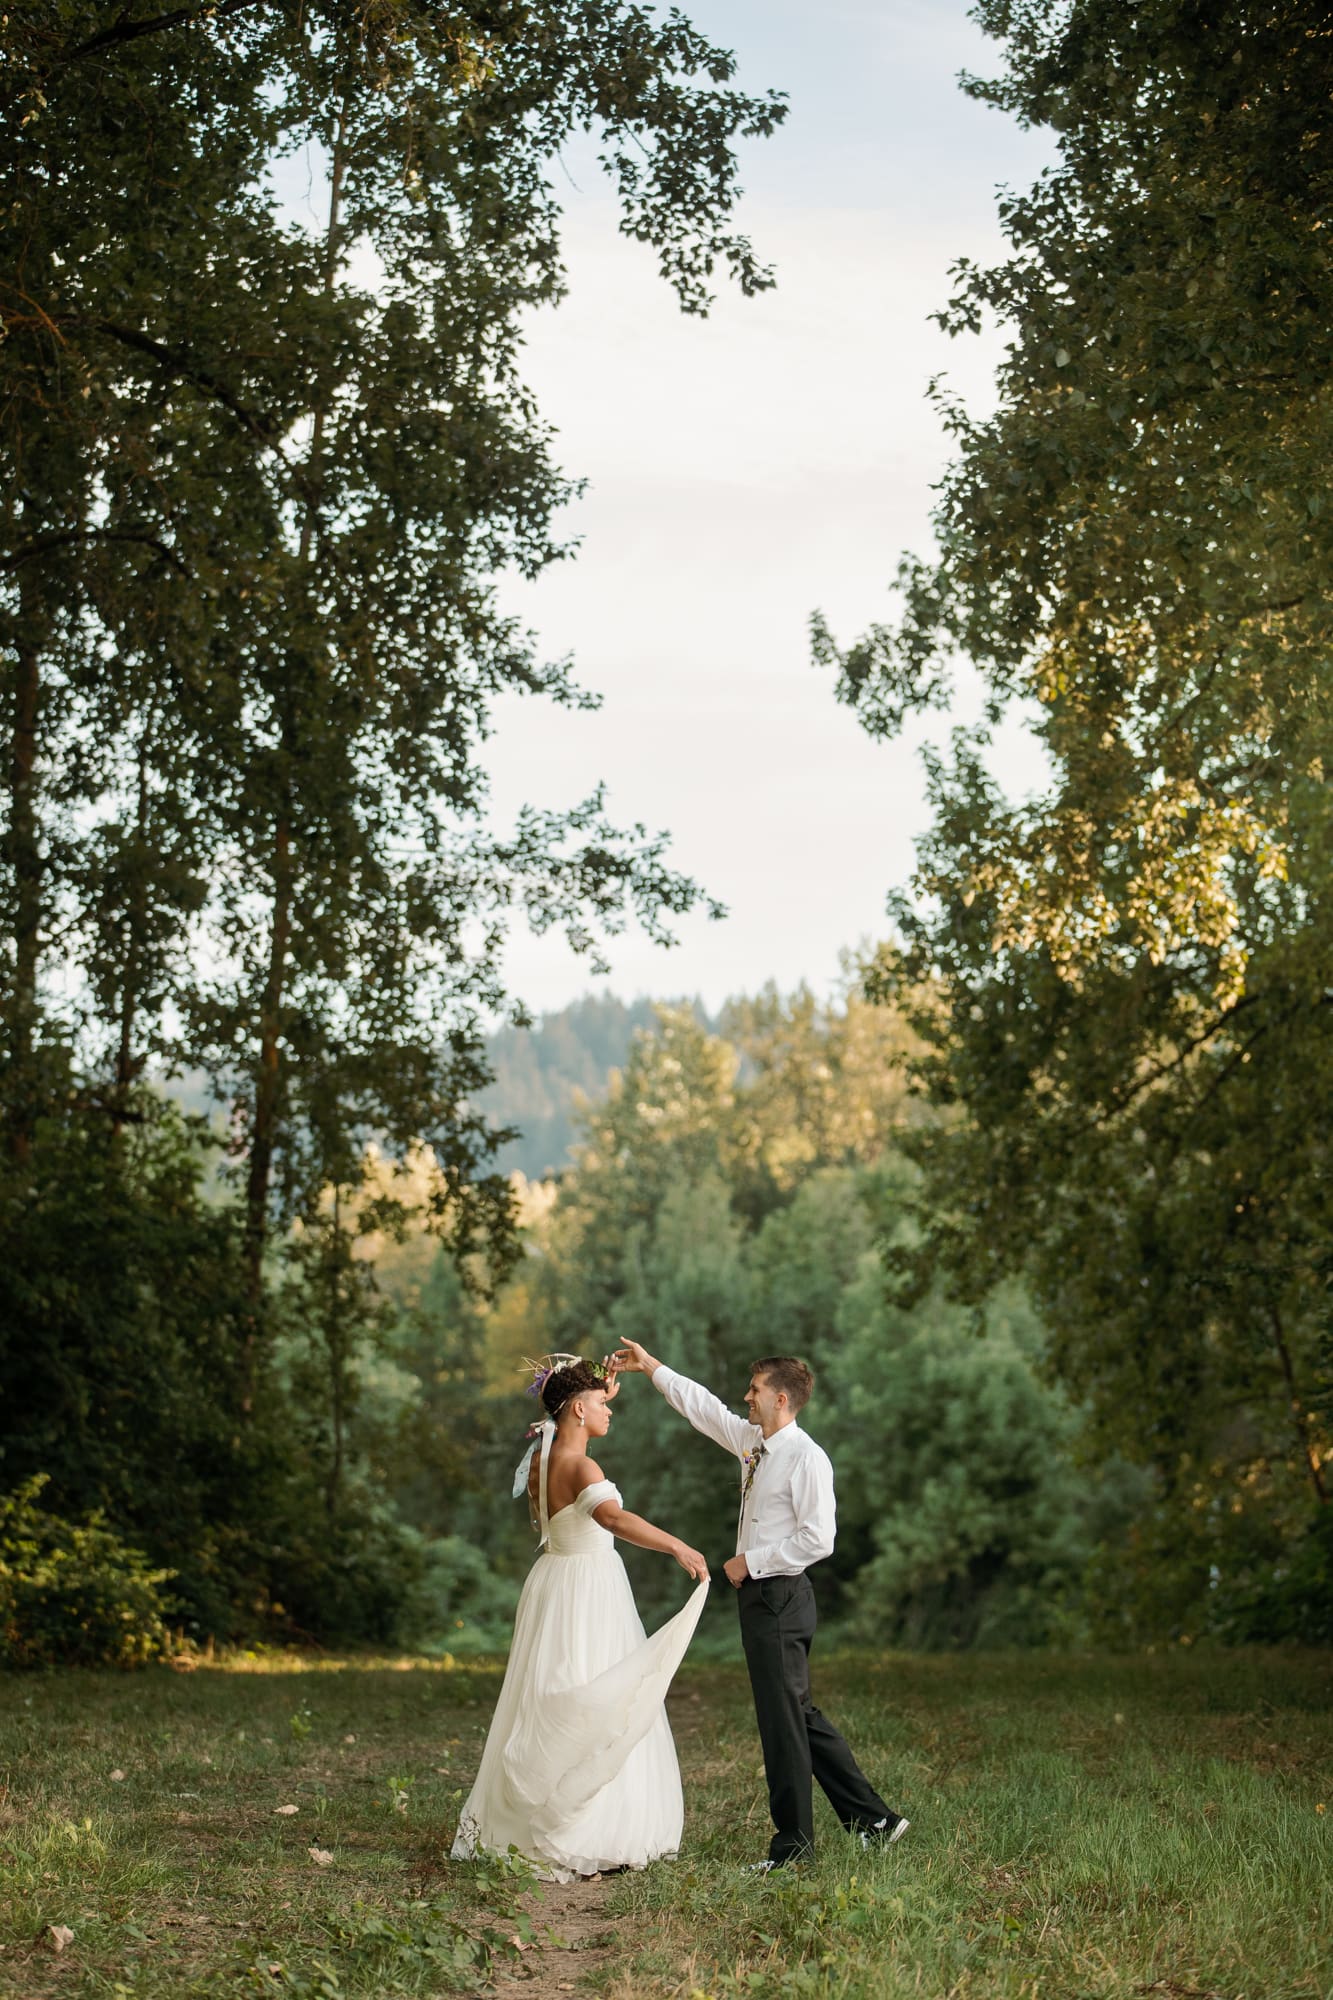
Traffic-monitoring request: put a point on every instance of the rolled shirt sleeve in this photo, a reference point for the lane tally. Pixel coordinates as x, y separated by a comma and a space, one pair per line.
816, 1514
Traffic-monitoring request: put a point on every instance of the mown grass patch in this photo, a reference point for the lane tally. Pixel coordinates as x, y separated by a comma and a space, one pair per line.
1080, 1827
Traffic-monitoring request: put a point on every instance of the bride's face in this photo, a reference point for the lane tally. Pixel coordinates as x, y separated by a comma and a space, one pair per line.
596, 1416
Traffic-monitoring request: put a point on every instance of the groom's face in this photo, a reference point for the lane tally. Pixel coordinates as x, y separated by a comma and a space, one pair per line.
765, 1404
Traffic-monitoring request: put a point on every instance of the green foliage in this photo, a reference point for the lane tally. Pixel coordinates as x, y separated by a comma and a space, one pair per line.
257, 482
238, 454
826, 1085
809, 1253
1122, 981
964, 1476
434, 1439
464, 1605
120, 1330
74, 1593
1238, 1570
359, 1574
964, 1518
1291, 1601
430, 1938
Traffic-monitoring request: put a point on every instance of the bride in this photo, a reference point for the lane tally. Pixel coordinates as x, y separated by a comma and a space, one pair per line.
579, 1771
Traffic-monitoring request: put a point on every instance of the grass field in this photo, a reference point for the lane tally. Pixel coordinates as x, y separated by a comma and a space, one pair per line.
1080, 1827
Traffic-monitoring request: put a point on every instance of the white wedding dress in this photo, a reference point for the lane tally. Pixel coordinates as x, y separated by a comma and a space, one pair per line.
579, 1771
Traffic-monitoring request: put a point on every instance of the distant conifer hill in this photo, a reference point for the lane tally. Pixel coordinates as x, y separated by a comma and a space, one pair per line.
539, 1071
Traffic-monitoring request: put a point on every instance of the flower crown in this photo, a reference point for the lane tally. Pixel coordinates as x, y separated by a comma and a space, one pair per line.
550, 1364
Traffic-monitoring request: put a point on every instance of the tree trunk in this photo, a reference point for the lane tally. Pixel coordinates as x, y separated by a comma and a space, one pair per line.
1299, 1415
127, 1064
334, 1339
25, 861
268, 1085
268, 1092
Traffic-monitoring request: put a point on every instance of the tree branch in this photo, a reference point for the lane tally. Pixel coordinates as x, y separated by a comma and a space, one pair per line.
125, 30
180, 364
44, 544
1158, 1070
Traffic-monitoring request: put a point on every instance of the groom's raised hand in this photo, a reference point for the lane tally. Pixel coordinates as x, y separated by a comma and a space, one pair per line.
631, 1359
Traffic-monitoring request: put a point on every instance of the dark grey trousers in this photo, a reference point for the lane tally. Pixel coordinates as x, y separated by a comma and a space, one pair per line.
777, 1625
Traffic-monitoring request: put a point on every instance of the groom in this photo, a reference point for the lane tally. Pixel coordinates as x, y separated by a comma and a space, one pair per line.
786, 1523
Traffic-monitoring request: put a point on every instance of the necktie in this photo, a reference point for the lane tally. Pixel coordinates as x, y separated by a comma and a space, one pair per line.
751, 1462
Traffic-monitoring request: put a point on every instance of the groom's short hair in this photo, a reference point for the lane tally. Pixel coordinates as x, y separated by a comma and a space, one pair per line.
787, 1376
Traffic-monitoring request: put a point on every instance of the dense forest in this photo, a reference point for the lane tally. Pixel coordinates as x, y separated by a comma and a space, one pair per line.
738, 1188
738, 1192
1044, 1196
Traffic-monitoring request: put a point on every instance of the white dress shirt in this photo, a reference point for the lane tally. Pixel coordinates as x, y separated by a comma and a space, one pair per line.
787, 1519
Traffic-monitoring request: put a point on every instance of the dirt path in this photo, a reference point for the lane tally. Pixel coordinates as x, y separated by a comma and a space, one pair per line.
574, 1935
572, 1938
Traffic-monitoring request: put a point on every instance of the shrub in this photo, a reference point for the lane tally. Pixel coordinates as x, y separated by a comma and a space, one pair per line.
1292, 1602
464, 1605
74, 1593
354, 1578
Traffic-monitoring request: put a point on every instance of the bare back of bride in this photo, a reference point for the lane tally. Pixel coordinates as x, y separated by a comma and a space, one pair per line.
579, 1772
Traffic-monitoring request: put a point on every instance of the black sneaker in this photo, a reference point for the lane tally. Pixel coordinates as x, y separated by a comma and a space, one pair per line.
884, 1831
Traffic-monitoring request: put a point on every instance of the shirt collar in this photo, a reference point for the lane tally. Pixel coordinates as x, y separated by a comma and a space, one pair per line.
781, 1438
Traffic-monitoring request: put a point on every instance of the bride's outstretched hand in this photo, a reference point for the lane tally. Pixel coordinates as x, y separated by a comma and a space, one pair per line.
691, 1561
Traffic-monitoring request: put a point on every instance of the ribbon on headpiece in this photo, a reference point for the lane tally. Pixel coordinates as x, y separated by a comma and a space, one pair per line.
543, 1439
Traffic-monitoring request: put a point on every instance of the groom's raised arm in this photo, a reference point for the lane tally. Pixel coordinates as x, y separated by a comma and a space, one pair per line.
707, 1412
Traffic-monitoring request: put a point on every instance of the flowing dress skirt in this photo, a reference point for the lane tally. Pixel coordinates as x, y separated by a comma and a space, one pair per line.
579, 1771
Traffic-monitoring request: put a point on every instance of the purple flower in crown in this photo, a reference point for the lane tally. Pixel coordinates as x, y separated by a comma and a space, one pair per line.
543, 1370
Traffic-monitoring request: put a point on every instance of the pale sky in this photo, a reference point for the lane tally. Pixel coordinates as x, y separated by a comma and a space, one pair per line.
749, 468
746, 470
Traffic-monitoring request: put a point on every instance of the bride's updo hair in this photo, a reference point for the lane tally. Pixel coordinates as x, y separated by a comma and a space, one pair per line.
560, 1388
